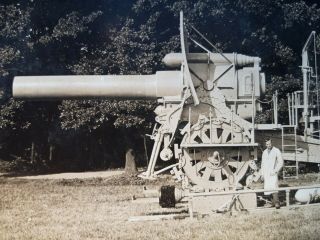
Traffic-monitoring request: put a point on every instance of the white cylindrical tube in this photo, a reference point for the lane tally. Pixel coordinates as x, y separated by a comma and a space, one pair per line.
307, 195
165, 83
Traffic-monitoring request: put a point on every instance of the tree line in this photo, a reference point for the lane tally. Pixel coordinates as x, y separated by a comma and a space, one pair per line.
126, 37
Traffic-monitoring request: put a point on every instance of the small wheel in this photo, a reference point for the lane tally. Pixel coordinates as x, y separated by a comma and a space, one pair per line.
216, 175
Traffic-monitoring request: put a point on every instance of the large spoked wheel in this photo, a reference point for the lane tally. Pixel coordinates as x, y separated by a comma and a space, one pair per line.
215, 131
215, 169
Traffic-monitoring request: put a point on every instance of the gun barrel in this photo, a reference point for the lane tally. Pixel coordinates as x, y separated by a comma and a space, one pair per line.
163, 83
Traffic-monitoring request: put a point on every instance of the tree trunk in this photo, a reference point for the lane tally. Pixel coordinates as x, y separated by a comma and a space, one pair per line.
130, 167
32, 155
51, 148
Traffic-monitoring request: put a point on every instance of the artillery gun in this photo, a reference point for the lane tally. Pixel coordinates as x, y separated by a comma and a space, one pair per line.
205, 118
205, 104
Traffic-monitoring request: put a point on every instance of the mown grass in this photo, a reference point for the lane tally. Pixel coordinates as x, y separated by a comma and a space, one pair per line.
99, 209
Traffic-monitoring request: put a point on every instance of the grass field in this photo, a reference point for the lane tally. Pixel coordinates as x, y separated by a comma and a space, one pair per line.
99, 209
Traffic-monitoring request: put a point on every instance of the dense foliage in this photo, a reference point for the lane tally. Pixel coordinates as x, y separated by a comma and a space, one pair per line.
126, 37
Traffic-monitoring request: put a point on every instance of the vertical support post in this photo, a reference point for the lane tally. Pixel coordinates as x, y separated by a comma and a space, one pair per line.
305, 99
190, 207
287, 198
316, 77
282, 144
282, 140
210, 125
208, 65
295, 152
232, 138
306, 78
189, 130
293, 108
253, 109
296, 109
289, 108
275, 107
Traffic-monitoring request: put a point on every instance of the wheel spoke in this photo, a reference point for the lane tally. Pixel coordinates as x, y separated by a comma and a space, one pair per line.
214, 136
224, 135
227, 170
238, 165
235, 164
229, 174
217, 175
207, 173
199, 166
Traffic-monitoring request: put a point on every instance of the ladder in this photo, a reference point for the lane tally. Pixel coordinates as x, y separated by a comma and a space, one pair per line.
287, 132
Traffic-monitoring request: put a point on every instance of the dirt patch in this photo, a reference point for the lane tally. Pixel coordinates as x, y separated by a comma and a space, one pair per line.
74, 175
118, 180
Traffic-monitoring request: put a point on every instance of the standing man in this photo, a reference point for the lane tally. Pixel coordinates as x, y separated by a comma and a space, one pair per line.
272, 163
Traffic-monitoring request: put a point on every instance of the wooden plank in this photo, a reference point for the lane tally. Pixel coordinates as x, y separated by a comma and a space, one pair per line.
157, 217
252, 191
146, 200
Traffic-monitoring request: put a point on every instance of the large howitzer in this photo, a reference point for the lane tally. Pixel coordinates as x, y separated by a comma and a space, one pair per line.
205, 117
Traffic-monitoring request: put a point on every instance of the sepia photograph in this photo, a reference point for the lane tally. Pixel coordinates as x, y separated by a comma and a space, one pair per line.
156, 120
